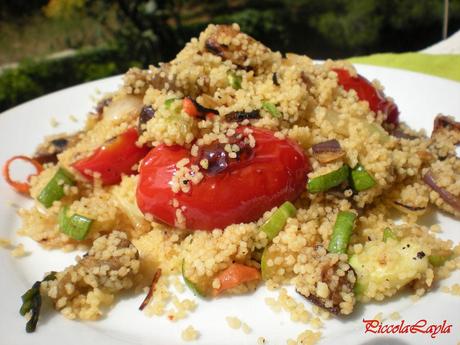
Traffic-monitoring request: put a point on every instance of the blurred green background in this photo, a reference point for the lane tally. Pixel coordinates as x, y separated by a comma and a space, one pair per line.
46, 45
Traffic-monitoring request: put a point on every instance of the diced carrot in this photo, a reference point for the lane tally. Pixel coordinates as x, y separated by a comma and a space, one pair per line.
236, 274
189, 107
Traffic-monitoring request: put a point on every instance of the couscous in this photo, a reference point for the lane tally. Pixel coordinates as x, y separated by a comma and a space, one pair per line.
231, 166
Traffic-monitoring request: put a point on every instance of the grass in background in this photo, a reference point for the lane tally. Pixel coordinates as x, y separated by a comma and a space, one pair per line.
37, 36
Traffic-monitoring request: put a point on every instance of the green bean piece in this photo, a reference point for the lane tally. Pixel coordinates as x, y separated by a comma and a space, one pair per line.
170, 101
234, 80
271, 108
75, 226
341, 234
278, 219
54, 190
324, 182
361, 179
191, 285
437, 260
388, 233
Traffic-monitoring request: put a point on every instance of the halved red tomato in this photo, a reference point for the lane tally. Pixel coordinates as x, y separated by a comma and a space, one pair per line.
116, 157
367, 92
232, 191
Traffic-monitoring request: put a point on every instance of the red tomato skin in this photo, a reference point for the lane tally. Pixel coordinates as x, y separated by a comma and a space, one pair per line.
367, 92
114, 158
276, 172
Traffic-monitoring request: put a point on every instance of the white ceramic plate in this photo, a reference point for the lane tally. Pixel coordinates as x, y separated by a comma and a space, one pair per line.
419, 97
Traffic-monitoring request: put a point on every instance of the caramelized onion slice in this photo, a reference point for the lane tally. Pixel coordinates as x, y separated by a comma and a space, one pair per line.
445, 195
328, 151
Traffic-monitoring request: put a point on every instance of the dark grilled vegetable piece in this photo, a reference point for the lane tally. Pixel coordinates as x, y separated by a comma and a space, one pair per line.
47, 152
238, 55
152, 288
101, 105
238, 116
32, 302
275, 79
327, 151
194, 109
397, 133
445, 122
147, 113
337, 285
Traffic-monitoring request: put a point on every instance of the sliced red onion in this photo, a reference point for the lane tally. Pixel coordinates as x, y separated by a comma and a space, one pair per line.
327, 151
409, 207
153, 285
448, 197
397, 133
445, 122
327, 146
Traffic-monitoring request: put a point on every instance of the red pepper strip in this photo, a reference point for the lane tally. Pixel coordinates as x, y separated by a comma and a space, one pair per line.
21, 187
194, 109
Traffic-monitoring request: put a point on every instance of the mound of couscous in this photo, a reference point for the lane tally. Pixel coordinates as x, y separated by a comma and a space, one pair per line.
233, 166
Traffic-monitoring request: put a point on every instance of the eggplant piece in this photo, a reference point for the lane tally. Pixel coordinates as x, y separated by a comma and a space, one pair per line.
329, 291
52, 146
239, 116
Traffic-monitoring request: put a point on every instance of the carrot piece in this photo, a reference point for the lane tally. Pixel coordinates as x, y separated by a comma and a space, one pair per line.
236, 274
189, 107
21, 187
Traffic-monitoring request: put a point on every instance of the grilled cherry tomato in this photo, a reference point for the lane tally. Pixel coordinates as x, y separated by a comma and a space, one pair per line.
367, 92
116, 157
232, 191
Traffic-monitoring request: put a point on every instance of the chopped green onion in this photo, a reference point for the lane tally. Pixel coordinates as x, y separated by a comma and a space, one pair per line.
234, 80
437, 260
341, 234
191, 285
361, 179
76, 226
271, 108
359, 288
54, 190
170, 101
32, 302
278, 219
388, 233
324, 182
